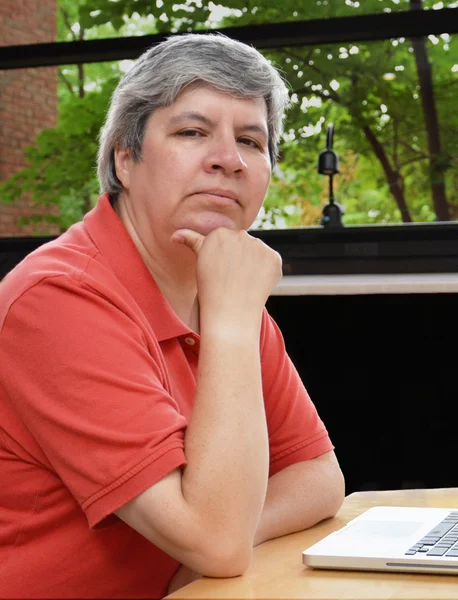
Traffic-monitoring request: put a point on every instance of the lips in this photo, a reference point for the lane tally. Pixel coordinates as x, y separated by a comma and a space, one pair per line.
223, 194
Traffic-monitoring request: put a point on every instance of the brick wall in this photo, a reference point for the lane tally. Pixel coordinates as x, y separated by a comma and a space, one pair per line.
28, 100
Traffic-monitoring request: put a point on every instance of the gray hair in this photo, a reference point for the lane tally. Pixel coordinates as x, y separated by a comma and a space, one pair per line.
164, 70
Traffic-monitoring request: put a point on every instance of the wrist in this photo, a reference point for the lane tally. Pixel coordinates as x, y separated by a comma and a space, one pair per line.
235, 330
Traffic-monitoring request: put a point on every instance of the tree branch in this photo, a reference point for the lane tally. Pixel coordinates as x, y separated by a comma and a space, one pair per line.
395, 142
81, 90
298, 57
332, 95
67, 22
66, 82
413, 151
326, 82
412, 160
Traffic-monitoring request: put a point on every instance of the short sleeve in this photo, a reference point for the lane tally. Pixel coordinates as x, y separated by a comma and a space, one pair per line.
86, 378
296, 432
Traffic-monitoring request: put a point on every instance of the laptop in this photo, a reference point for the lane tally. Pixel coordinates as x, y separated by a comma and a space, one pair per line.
392, 538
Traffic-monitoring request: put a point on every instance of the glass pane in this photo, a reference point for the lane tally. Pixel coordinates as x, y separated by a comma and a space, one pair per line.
28, 104
71, 20
87, 19
396, 139
263, 11
49, 124
369, 92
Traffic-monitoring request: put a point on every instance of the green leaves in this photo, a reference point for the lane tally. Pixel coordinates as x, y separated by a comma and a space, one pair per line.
368, 90
61, 169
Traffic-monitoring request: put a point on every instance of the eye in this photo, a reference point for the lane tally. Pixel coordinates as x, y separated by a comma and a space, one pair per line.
191, 133
250, 142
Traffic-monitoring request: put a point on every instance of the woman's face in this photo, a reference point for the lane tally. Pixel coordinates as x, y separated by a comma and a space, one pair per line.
205, 164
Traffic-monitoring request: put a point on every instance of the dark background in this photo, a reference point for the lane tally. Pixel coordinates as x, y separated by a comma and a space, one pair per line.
381, 370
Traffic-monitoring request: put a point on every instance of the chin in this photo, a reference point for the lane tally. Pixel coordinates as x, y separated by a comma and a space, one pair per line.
206, 230
208, 223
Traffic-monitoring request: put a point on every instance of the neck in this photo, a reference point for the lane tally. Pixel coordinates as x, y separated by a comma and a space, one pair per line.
173, 267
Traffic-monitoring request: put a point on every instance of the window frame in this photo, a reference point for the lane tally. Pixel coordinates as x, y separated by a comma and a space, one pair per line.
367, 242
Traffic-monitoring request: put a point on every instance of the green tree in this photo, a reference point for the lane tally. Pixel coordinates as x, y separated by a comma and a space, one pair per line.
395, 127
375, 86
61, 163
61, 170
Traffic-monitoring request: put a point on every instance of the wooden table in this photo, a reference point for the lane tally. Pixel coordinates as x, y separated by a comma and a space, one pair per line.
277, 570
370, 283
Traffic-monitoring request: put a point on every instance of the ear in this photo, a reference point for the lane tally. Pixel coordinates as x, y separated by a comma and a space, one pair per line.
123, 165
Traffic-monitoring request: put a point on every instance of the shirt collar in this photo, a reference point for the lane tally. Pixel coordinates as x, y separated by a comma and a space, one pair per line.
109, 234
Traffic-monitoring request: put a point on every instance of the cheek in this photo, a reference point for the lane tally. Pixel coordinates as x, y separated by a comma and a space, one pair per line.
261, 185
181, 164
169, 169
168, 153
154, 180
258, 191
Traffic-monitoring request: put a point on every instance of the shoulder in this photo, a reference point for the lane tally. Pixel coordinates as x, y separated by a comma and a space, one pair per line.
68, 264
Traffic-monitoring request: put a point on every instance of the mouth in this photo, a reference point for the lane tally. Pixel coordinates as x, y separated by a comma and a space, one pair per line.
220, 195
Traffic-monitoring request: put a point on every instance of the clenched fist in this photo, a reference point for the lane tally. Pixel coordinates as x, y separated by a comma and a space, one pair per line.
235, 274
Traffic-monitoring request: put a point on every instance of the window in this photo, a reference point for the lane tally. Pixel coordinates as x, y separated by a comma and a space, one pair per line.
386, 82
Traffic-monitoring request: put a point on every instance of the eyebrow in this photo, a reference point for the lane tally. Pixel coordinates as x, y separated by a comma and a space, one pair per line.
196, 116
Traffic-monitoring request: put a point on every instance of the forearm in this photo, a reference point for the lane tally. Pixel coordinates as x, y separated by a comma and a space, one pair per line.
297, 498
226, 441
300, 496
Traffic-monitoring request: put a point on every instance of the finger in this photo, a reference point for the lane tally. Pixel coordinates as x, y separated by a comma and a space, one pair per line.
190, 238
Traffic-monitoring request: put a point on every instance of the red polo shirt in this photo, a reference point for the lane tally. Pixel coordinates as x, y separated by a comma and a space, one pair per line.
97, 382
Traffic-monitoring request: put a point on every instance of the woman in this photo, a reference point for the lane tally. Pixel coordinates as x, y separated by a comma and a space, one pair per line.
151, 416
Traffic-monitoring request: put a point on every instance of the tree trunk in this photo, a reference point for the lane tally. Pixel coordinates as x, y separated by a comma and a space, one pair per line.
80, 67
393, 177
82, 93
425, 80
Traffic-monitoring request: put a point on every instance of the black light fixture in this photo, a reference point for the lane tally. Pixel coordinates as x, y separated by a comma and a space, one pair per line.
328, 164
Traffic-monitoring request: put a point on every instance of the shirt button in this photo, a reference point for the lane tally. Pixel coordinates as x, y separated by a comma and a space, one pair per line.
190, 341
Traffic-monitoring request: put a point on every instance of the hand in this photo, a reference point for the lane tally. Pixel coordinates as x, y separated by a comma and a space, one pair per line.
235, 272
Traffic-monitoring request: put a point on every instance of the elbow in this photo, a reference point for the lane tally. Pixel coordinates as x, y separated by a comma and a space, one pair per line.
225, 558
336, 494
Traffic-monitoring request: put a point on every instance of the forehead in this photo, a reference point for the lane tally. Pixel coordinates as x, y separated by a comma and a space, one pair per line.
215, 103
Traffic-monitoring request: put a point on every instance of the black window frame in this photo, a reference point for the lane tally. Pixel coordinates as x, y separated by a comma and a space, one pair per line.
350, 249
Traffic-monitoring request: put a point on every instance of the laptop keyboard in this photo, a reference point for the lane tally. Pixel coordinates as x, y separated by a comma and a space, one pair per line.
440, 541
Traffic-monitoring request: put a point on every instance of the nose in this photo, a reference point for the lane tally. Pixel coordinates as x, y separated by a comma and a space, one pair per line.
224, 155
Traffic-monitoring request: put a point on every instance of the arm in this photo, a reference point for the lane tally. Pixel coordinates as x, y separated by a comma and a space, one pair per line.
297, 498
300, 496
206, 516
